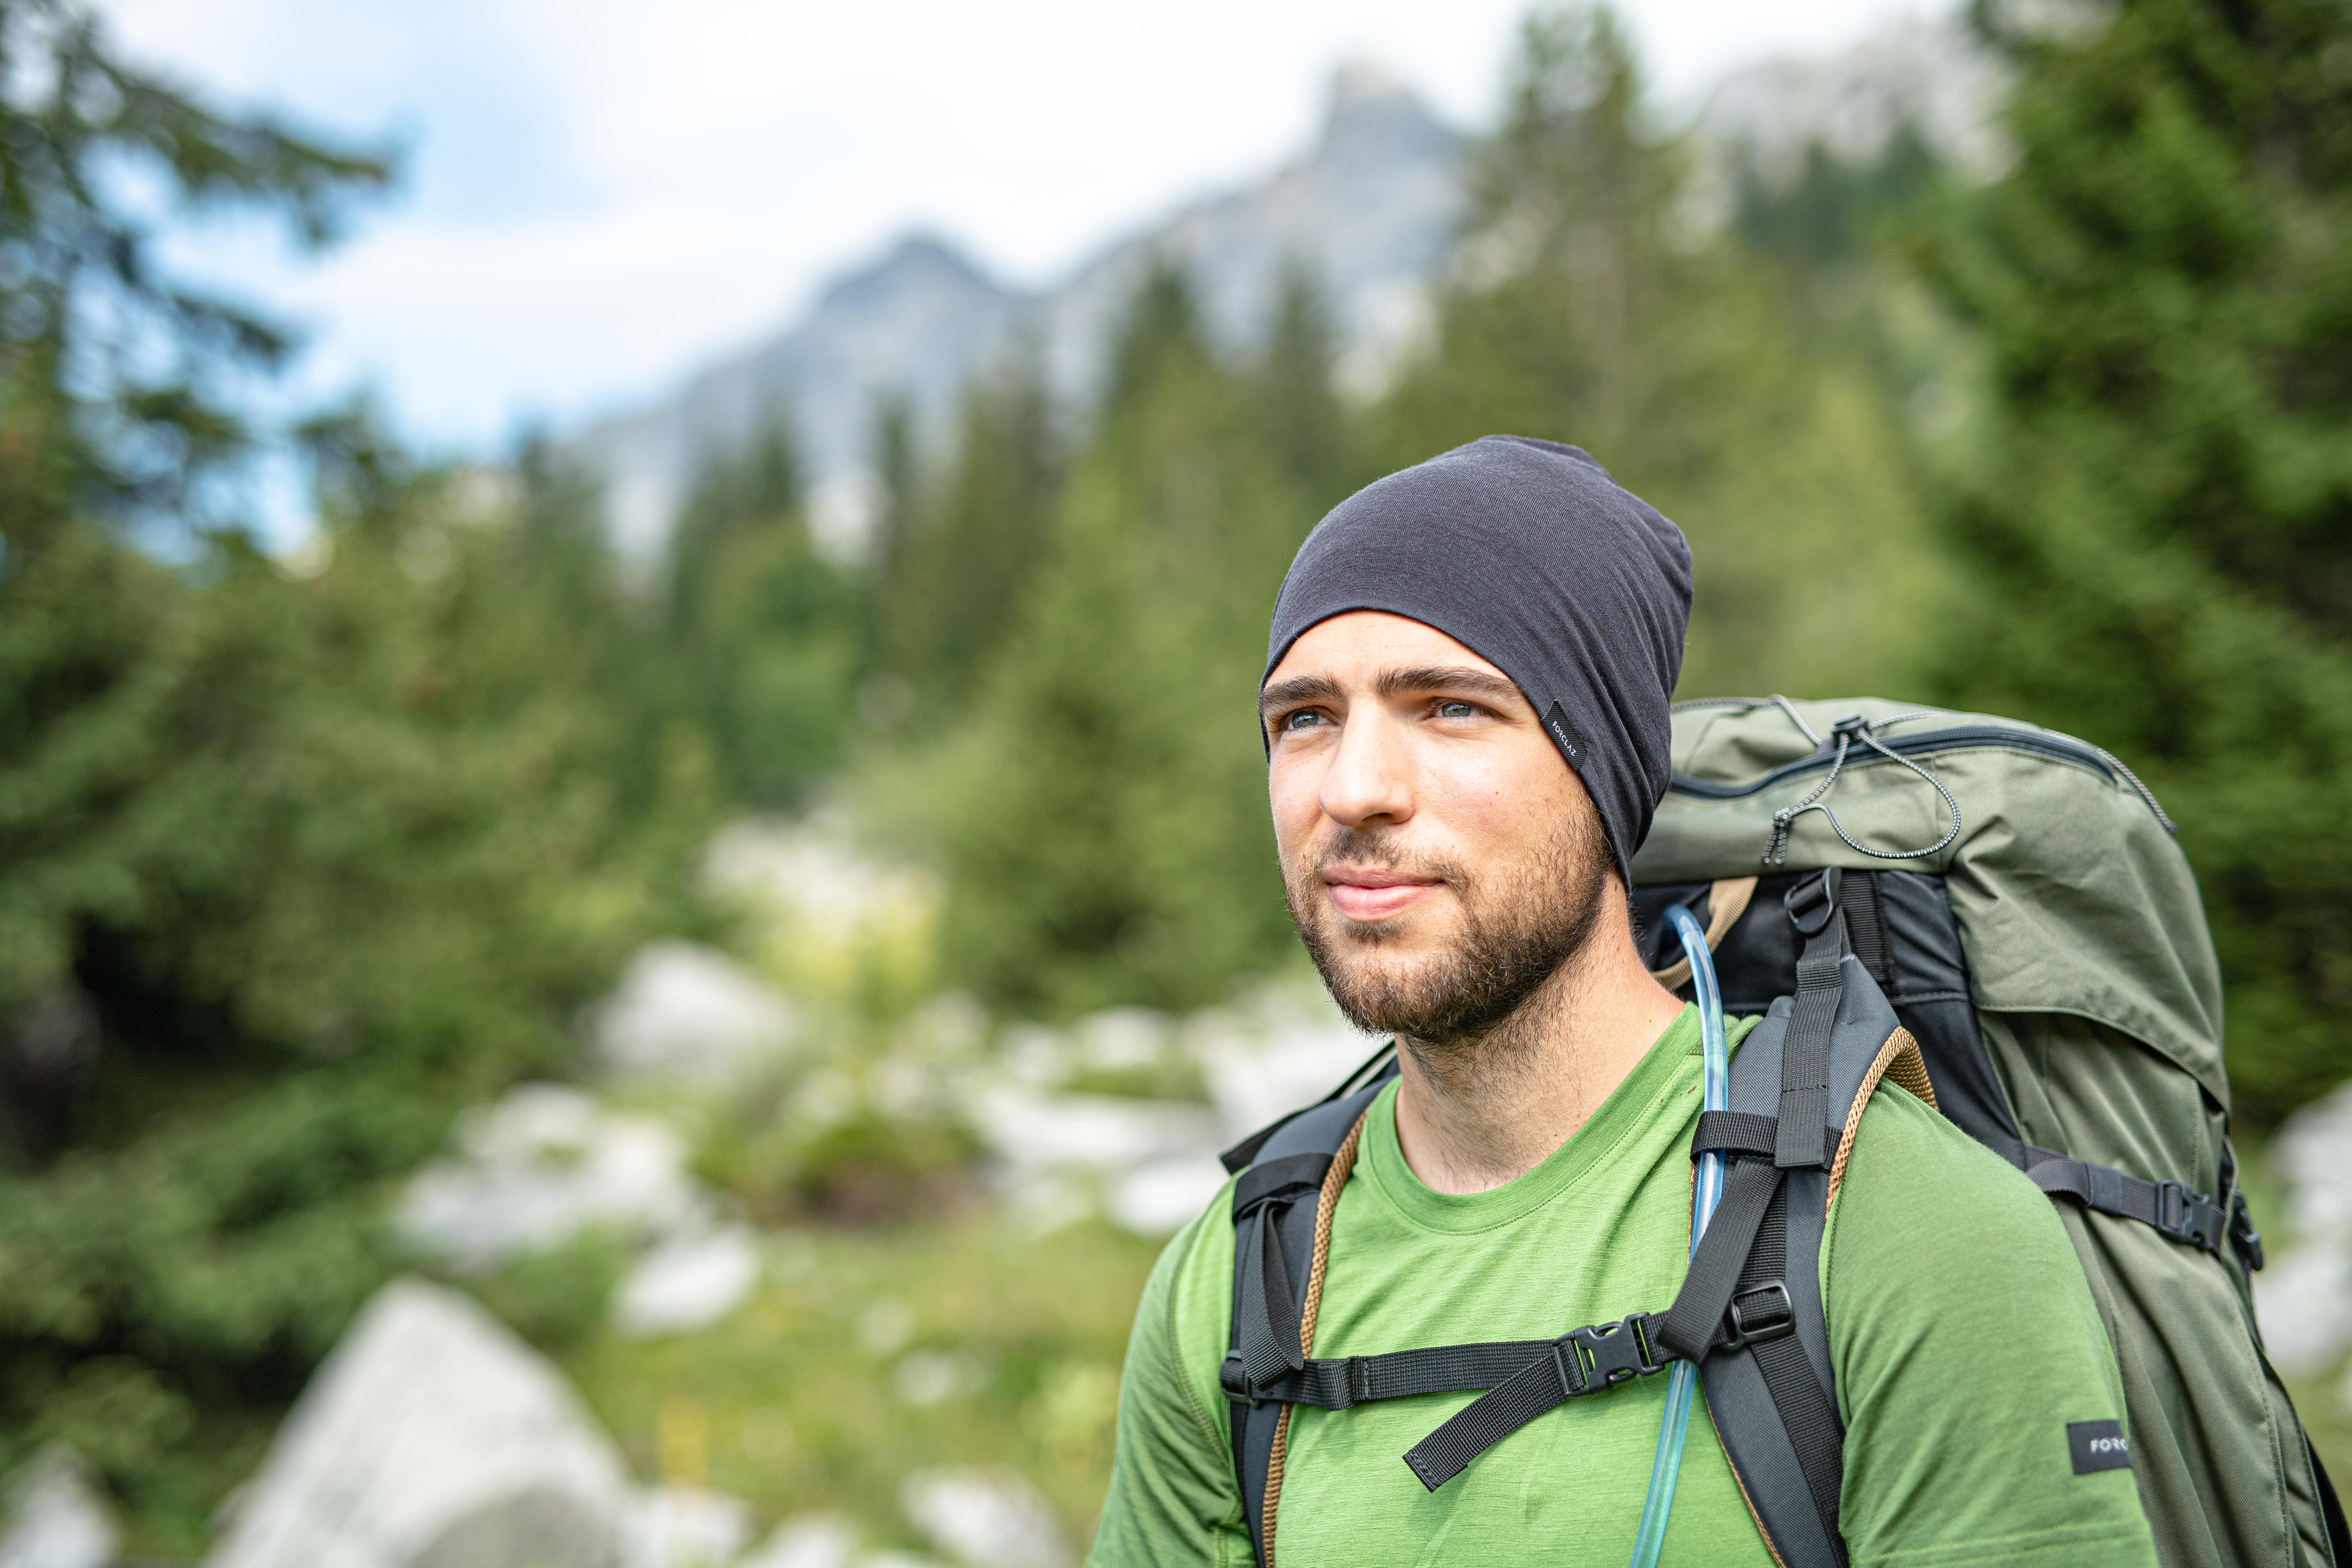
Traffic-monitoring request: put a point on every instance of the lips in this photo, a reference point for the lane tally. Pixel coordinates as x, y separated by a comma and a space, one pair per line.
1367, 896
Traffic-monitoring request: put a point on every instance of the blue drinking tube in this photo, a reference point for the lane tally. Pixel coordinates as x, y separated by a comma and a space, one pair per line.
1706, 1191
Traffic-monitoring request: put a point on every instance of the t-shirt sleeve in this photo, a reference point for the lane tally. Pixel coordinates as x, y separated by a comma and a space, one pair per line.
1172, 1496
1966, 1344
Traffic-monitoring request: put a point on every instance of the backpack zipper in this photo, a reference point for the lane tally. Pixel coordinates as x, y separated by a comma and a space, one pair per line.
2037, 743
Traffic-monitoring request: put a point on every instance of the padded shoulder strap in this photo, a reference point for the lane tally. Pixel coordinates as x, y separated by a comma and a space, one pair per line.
1274, 1244
1816, 1057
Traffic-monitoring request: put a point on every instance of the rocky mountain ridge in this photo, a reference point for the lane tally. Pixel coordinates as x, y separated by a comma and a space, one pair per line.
1374, 208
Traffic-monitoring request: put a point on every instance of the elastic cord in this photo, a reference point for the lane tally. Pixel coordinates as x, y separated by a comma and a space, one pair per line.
1706, 1191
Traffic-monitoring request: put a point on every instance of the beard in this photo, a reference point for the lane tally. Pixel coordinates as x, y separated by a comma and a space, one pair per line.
1520, 922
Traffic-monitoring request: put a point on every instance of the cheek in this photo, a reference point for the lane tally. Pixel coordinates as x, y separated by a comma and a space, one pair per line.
1494, 800
1291, 786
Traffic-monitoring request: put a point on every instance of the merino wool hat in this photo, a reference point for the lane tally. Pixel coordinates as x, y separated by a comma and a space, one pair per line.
1529, 554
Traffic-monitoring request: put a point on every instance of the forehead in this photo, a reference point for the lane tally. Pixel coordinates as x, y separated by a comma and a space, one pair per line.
1360, 644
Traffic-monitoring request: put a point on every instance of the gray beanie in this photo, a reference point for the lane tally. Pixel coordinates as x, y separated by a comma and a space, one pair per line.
1528, 553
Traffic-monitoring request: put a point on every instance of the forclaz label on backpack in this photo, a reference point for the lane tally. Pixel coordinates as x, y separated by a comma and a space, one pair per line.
2098, 1446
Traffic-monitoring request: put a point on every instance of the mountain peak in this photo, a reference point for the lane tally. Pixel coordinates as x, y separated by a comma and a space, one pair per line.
1373, 115
918, 260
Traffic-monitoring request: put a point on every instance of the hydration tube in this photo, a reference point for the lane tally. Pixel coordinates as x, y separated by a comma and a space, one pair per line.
1706, 1191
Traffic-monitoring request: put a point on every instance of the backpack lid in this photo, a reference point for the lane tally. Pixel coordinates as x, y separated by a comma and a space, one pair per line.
2070, 894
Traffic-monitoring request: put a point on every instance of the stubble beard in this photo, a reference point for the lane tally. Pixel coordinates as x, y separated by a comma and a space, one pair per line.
1521, 924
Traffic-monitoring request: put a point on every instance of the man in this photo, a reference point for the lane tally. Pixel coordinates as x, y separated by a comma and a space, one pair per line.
1465, 716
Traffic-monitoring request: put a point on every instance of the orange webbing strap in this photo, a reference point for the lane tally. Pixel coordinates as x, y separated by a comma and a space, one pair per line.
1725, 902
1342, 1162
1899, 1059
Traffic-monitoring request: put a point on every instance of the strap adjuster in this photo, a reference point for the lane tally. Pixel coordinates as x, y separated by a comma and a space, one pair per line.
1234, 1381
1759, 1314
2244, 1239
2185, 1215
1812, 902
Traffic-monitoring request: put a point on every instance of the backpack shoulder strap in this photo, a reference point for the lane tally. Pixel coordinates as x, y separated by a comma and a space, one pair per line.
1751, 1307
1276, 1209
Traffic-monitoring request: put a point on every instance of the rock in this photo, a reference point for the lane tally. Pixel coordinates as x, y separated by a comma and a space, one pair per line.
927, 1378
807, 1540
2304, 1302
2314, 1154
538, 1167
1121, 1038
432, 1438
686, 1013
813, 878
1278, 1050
687, 1282
1100, 1132
684, 1527
56, 1517
2305, 1297
985, 1519
1161, 1197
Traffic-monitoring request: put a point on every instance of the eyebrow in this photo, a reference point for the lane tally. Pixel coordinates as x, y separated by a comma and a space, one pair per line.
1443, 678
1390, 683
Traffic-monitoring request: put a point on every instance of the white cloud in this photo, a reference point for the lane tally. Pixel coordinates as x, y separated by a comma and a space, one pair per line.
600, 195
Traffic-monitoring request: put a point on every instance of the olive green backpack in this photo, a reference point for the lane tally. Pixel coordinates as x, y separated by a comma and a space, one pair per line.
2017, 895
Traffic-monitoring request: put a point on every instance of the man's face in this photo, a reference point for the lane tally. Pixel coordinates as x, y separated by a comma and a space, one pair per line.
1440, 860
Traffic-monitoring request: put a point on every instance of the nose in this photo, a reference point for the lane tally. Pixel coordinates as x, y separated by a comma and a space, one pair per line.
1368, 782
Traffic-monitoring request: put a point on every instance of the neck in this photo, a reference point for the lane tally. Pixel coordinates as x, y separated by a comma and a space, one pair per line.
1475, 1113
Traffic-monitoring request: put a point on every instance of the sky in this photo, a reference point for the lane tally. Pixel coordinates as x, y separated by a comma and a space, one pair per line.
596, 198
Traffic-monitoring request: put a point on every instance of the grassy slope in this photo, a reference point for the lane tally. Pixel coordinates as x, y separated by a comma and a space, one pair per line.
794, 1401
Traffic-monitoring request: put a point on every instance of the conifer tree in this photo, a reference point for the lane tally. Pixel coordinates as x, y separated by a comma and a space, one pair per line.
766, 634
296, 857
1585, 306
2159, 525
1310, 429
956, 580
1106, 841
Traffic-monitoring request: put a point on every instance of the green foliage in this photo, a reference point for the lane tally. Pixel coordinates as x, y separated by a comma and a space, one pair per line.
1105, 839
84, 304
556, 1297
300, 869
863, 1170
290, 870
765, 637
1830, 213
2160, 531
954, 571
1585, 308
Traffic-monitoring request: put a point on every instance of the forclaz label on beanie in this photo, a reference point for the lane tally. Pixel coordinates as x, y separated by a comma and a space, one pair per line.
1564, 736
1529, 554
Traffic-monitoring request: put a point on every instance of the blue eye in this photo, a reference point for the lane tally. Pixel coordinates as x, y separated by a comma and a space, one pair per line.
1301, 720
1456, 711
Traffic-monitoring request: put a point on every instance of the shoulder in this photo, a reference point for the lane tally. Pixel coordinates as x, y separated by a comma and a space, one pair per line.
1182, 1323
1966, 1344
1173, 1497
1919, 1193
1904, 1140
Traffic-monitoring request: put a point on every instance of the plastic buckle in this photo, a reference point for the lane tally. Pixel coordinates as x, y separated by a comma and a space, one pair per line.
1773, 1316
1800, 898
2185, 1215
2244, 1239
1235, 1381
1610, 1353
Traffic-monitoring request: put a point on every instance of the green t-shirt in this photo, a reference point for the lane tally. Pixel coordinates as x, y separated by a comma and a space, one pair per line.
1962, 1332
